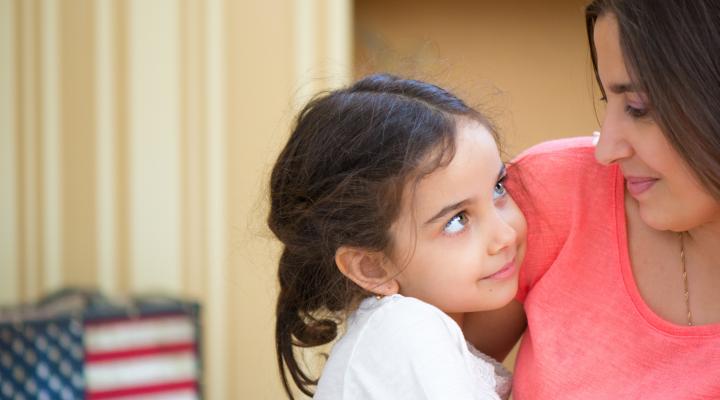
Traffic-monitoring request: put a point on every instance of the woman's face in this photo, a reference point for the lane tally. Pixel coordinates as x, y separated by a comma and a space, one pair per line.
668, 195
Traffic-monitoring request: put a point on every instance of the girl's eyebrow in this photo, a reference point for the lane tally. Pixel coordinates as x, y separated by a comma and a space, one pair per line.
452, 207
447, 210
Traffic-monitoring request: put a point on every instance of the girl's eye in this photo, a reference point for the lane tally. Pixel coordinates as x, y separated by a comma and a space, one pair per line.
499, 190
456, 223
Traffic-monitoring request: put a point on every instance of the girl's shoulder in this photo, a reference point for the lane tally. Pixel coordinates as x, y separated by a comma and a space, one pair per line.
398, 311
403, 321
395, 342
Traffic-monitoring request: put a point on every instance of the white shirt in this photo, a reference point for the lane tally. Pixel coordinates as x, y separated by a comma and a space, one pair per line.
402, 348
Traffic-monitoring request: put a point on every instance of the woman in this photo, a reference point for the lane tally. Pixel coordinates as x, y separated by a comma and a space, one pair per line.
620, 281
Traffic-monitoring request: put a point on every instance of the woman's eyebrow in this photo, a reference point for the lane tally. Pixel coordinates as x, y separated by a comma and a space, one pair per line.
619, 88
452, 207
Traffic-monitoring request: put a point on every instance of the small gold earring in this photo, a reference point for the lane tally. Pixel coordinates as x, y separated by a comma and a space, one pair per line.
378, 296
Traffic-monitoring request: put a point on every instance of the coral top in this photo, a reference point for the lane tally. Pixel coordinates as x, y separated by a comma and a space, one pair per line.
590, 334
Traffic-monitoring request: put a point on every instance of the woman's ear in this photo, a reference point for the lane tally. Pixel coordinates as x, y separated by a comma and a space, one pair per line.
368, 269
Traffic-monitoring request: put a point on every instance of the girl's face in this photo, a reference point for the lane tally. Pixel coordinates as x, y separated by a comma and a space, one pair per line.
668, 195
460, 238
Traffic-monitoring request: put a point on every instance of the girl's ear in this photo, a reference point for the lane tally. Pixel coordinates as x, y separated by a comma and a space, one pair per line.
368, 269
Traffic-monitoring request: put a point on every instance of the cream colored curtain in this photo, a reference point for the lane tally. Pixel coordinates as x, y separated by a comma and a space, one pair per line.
136, 138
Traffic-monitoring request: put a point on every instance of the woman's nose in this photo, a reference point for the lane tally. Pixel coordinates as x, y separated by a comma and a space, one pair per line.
612, 146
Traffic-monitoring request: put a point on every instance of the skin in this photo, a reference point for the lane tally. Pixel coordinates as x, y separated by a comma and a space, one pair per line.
459, 239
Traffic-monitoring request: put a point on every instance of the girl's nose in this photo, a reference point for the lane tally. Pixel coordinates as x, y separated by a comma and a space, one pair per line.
503, 236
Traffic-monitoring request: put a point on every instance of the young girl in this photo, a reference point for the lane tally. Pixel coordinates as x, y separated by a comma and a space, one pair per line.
389, 201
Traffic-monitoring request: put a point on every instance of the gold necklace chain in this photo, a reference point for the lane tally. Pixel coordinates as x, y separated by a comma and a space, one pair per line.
685, 280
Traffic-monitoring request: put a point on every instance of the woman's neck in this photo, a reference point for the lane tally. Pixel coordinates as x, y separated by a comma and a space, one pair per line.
658, 266
702, 253
707, 236
703, 243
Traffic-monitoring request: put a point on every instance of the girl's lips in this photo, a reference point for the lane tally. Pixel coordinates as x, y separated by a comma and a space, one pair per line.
505, 272
637, 186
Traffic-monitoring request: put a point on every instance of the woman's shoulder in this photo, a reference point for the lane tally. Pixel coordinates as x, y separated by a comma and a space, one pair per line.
561, 171
560, 155
563, 192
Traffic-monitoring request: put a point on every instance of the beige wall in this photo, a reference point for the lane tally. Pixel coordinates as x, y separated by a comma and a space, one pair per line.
136, 137
523, 61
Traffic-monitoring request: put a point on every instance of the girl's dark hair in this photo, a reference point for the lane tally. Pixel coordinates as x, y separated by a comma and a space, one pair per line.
339, 182
672, 53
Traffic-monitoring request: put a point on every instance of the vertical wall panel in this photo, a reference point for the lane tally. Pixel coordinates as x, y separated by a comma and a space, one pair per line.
28, 152
9, 277
121, 39
78, 138
106, 184
339, 42
216, 202
304, 48
194, 167
51, 166
154, 145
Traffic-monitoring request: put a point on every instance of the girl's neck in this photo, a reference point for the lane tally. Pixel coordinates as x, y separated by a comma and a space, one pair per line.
457, 317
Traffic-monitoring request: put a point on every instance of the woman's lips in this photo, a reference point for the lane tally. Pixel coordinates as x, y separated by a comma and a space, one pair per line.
638, 185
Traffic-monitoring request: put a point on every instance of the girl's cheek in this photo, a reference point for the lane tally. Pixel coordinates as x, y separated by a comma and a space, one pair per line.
519, 222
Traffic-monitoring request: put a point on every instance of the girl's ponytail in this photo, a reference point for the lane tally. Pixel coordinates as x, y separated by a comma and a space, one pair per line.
296, 326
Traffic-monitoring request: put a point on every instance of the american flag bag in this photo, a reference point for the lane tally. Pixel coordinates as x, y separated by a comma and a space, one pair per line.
79, 345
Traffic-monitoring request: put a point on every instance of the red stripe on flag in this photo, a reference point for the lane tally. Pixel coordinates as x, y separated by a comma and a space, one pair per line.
103, 356
138, 390
122, 320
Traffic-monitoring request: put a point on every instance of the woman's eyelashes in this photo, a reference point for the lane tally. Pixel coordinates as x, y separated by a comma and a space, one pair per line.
634, 109
635, 112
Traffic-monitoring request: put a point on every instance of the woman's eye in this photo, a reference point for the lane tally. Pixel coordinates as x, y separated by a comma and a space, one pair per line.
456, 223
499, 190
635, 112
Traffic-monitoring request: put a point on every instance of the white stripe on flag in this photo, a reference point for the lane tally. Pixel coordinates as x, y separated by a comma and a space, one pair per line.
140, 372
139, 333
178, 395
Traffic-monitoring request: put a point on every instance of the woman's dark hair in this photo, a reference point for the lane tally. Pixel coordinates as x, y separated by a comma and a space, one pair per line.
339, 182
671, 50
